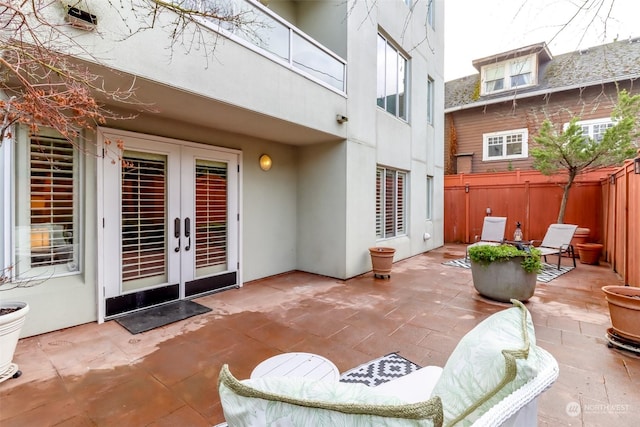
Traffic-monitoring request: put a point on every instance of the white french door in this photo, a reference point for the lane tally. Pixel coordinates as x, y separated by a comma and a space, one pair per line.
170, 221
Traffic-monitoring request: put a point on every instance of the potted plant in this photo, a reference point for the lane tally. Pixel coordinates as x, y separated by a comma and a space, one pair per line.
505, 272
381, 261
12, 317
624, 309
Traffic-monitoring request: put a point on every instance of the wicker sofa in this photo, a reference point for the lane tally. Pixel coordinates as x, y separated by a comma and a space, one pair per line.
493, 377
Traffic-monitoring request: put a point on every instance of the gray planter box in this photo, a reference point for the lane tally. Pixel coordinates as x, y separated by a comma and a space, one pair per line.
503, 281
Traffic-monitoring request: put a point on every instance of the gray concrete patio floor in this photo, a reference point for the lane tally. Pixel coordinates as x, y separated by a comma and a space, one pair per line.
101, 375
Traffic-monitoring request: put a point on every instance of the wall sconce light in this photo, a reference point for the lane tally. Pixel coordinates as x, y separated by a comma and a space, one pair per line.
488, 211
466, 188
612, 179
341, 119
265, 162
636, 165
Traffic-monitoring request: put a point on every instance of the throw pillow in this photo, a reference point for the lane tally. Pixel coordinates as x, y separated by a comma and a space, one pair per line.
492, 360
282, 401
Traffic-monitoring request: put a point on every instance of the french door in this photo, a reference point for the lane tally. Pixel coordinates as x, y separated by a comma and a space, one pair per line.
170, 222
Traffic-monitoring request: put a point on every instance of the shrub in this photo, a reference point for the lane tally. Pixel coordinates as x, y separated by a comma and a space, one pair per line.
486, 254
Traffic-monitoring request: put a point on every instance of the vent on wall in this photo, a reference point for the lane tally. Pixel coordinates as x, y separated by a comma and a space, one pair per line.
81, 19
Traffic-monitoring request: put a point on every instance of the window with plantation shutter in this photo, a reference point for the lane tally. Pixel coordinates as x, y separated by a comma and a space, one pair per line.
46, 199
143, 219
211, 217
390, 202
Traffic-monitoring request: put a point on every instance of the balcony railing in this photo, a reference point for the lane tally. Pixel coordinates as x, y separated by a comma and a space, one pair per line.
268, 34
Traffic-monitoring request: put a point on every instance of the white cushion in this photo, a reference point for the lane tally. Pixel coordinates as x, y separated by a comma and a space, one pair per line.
495, 358
414, 387
291, 401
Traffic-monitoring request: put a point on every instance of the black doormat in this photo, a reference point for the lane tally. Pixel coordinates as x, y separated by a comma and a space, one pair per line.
151, 318
381, 370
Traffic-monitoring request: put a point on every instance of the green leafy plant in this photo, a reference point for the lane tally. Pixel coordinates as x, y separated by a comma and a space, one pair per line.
569, 150
487, 254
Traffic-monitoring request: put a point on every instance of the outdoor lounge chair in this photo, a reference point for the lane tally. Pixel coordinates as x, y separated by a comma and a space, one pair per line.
493, 378
557, 241
492, 232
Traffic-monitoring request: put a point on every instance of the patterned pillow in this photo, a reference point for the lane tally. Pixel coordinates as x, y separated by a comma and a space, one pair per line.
285, 402
492, 360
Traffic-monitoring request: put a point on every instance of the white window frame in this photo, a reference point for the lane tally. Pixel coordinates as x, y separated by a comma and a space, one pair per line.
399, 219
430, 99
15, 191
505, 135
504, 69
385, 87
430, 12
588, 127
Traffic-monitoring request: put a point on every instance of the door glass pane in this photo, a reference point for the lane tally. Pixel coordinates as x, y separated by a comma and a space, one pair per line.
143, 220
211, 217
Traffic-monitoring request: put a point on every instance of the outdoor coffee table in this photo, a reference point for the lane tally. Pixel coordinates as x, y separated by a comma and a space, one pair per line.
305, 365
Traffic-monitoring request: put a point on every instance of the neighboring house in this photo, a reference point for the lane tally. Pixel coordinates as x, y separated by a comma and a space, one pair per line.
492, 117
346, 100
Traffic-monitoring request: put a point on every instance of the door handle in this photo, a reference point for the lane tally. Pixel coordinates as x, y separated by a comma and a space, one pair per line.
187, 232
176, 233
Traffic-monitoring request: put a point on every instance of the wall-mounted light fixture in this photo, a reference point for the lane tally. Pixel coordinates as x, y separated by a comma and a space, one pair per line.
341, 119
265, 162
636, 165
612, 179
466, 188
488, 211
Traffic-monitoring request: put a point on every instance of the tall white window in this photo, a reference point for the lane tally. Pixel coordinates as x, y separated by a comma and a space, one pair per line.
430, 12
429, 215
509, 74
430, 100
391, 188
391, 91
46, 216
512, 144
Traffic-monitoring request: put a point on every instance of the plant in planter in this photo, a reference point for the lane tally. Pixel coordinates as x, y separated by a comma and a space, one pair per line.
12, 317
505, 272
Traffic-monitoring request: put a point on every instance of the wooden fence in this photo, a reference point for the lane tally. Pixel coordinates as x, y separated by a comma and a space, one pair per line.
606, 201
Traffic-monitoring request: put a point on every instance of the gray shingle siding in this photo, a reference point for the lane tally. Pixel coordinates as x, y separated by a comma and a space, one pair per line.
615, 61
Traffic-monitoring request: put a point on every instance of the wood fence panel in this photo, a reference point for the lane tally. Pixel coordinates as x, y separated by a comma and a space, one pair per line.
610, 209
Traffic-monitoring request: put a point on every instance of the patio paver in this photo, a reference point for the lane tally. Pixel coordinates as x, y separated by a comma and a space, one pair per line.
102, 375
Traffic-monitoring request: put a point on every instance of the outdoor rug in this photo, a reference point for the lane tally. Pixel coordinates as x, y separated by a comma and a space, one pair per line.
151, 318
381, 370
548, 273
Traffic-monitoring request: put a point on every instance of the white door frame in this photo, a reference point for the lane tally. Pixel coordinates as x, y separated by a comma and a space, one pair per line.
107, 142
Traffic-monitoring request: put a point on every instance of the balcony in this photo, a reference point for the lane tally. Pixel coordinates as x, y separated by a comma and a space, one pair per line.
273, 37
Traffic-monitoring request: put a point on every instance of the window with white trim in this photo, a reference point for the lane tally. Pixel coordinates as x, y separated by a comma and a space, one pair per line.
511, 144
429, 215
391, 190
430, 100
430, 12
505, 75
43, 226
595, 128
391, 88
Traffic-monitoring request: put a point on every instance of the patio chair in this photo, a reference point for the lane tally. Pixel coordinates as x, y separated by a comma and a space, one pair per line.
557, 241
492, 233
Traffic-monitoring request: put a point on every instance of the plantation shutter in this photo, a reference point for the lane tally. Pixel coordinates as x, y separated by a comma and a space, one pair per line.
52, 202
143, 219
211, 217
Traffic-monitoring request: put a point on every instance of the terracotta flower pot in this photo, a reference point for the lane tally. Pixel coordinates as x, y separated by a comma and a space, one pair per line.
624, 309
382, 260
589, 252
581, 235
